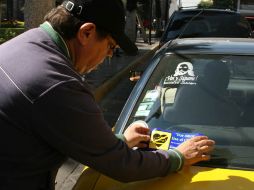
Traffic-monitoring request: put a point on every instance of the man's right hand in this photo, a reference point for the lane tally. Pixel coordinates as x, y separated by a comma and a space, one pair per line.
196, 149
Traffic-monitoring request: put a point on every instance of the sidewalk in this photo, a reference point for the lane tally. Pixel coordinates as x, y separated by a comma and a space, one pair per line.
102, 81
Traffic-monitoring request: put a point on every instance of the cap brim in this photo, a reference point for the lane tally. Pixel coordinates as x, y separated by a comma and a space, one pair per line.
125, 43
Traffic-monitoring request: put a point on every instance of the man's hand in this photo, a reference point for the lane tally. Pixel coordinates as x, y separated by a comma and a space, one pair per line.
196, 149
137, 134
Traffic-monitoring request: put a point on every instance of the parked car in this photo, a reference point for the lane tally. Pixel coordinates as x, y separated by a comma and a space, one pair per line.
194, 86
187, 23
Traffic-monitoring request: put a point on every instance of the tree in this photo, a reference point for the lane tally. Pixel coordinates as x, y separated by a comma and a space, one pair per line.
131, 24
35, 11
205, 4
1, 4
221, 4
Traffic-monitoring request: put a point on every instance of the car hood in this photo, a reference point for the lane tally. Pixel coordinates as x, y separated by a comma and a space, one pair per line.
192, 178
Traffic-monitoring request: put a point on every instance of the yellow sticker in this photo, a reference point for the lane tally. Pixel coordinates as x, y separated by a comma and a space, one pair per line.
160, 140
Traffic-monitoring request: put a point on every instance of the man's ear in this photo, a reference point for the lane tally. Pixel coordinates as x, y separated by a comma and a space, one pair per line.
86, 32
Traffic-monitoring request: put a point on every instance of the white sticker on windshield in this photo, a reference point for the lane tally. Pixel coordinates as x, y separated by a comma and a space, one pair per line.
184, 74
147, 103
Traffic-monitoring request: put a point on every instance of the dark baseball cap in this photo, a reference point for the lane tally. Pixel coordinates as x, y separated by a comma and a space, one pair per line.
106, 14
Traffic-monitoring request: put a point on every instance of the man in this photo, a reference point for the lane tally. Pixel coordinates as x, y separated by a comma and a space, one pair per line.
48, 113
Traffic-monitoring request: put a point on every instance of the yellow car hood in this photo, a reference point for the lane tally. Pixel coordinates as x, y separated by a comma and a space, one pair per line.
192, 178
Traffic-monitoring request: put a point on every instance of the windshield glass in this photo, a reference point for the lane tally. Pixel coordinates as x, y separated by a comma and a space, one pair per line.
207, 24
211, 95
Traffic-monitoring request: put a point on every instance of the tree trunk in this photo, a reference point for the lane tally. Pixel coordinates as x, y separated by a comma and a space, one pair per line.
1, 12
35, 10
131, 25
9, 5
15, 10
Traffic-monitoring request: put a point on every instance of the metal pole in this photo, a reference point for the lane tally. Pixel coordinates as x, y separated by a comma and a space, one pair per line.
150, 25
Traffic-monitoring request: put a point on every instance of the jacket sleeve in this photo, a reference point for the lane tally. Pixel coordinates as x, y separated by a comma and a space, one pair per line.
71, 122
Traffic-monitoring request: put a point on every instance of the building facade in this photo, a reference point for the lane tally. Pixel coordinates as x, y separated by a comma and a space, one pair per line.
245, 7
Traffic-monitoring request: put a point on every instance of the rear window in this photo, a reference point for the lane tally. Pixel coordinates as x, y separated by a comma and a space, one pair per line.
207, 24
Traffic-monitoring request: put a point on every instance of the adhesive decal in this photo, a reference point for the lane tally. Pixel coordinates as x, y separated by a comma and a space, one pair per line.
184, 74
165, 139
160, 140
146, 104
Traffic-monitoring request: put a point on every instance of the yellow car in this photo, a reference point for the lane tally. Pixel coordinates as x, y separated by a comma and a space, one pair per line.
194, 87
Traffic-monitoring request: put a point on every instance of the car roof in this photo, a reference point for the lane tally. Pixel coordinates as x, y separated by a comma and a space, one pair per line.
233, 46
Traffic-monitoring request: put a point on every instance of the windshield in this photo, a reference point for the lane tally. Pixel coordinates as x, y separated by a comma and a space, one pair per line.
211, 95
207, 24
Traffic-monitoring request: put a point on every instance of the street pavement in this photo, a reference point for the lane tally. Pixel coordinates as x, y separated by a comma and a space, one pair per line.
103, 80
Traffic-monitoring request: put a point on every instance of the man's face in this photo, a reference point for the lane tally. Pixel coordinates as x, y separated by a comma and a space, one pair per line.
100, 49
93, 52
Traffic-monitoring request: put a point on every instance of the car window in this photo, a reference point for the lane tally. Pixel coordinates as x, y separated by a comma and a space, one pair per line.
207, 24
211, 95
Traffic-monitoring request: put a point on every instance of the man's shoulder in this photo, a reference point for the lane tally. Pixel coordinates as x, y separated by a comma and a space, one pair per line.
36, 65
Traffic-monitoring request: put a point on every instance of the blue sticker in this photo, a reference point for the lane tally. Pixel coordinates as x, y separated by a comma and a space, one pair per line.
178, 138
